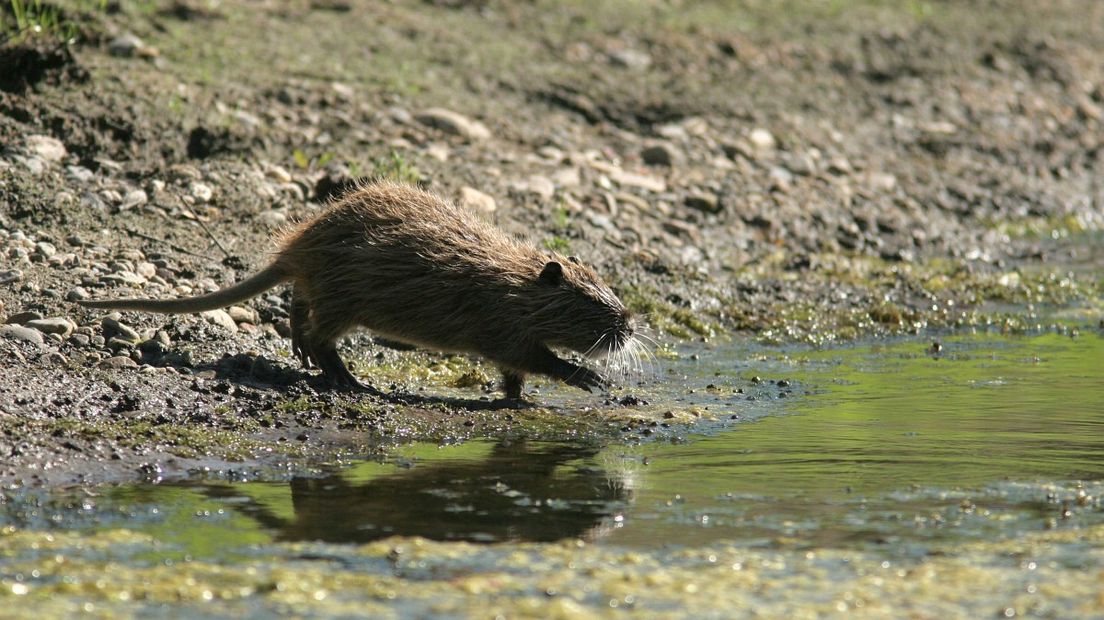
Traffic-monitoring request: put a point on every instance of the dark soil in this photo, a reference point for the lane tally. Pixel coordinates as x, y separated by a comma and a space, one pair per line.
794, 171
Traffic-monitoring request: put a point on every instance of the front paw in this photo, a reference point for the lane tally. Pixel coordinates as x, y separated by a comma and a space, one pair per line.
587, 379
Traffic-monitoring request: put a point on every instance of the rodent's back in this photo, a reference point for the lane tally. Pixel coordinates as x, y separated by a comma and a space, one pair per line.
401, 230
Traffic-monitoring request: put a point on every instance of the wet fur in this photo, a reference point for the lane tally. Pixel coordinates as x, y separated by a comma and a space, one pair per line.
416, 269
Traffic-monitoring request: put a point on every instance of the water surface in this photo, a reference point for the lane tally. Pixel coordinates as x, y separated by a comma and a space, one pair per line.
817, 468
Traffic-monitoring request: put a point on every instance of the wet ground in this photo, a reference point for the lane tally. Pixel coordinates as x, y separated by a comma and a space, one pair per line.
954, 477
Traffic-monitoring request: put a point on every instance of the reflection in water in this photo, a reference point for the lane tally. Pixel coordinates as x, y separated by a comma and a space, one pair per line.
886, 444
518, 492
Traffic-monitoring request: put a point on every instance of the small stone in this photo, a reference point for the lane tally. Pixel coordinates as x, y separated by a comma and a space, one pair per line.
453, 123
781, 179
20, 318
475, 200
762, 139
273, 218
146, 269
629, 179
123, 277
117, 344
80, 174
882, 181
10, 275
118, 361
55, 325
80, 340
53, 358
113, 328
134, 198
241, 314
706, 202
153, 349
45, 248
541, 186
839, 165
34, 165
660, 154
21, 333
47, 148
220, 318
201, 192
438, 151
77, 293
125, 45
279, 173
631, 59
567, 177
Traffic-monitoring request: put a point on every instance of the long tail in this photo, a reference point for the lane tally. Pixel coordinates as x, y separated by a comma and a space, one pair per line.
250, 287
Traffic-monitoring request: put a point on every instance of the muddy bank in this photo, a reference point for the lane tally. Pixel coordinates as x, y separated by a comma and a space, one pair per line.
793, 173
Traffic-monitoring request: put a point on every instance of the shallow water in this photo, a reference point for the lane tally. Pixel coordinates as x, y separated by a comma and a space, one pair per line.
967, 476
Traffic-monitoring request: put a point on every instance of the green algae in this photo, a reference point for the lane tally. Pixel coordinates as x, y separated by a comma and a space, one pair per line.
565, 580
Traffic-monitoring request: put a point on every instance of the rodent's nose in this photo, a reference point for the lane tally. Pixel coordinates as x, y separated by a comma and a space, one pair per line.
627, 322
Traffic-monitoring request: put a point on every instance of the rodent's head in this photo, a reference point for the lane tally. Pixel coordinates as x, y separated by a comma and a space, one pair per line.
574, 309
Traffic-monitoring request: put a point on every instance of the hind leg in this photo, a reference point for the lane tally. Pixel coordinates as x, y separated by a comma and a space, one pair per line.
321, 344
512, 382
333, 369
300, 324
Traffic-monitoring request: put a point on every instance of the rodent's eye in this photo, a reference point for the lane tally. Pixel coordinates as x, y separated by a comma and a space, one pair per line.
573, 259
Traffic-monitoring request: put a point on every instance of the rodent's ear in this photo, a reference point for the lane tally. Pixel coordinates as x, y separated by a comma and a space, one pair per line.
552, 273
573, 259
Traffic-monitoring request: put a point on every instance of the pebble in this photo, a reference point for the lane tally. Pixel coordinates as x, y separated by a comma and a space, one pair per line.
118, 361
471, 198
10, 275
453, 123
704, 201
35, 165
19, 332
80, 340
55, 325
541, 186
780, 178
762, 139
567, 177
134, 198
220, 318
438, 151
201, 192
19, 318
113, 328
123, 277
126, 45
45, 248
631, 59
46, 148
53, 358
630, 179
273, 218
80, 174
241, 314
279, 173
146, 269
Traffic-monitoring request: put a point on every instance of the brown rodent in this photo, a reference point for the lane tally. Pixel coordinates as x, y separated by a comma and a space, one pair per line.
416, 269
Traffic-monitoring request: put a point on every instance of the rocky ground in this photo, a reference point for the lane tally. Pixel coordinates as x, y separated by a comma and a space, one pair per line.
790, 171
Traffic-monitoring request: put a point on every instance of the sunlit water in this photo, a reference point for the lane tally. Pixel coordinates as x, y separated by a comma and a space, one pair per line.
888, 452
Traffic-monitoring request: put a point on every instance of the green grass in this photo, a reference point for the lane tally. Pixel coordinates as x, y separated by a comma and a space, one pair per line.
22, 20
397, 168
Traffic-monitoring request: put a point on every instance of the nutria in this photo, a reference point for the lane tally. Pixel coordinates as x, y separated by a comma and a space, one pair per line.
419, 270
